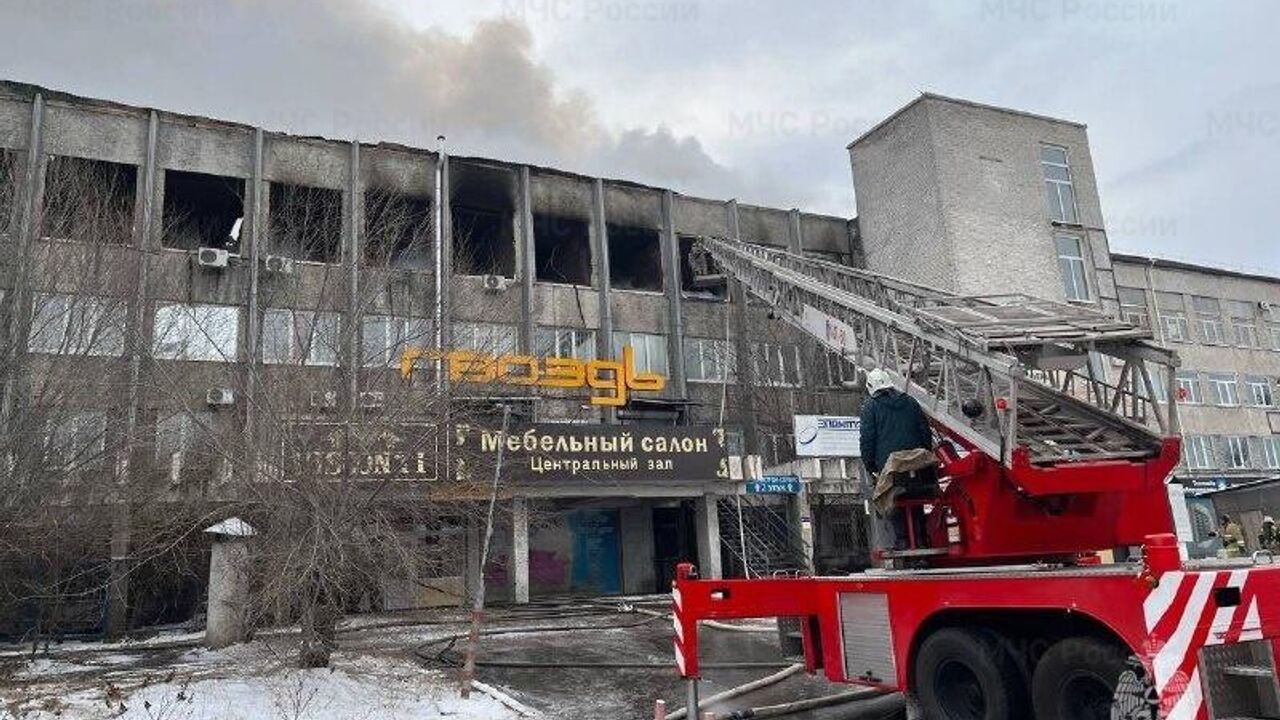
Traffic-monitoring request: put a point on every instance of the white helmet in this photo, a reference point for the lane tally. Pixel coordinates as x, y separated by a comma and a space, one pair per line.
878, 380
1268, 519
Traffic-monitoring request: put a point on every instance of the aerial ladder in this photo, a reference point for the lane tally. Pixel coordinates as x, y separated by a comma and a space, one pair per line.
1058, 430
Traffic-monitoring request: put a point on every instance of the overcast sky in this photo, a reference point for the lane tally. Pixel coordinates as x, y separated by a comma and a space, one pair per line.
721, 98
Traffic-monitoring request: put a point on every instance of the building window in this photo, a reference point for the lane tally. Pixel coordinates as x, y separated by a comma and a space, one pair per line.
1071, 263
709, 360
75, 440
8, 187
1173, 317
1274, 332
88, 200
1244, 327
305, 223
181, 437
776, 364
1197, 452
1133, 306
300, 337
1188, 383
1237, 451
839, 370
1058, 191
650, 351
1222, 388
1271, 452
1157, 374
489, 338
196, 332
384, 338
1209, 320
559, 342
1260, 391
77, 325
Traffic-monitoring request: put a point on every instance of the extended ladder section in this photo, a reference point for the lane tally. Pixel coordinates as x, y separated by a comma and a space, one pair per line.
1063, 383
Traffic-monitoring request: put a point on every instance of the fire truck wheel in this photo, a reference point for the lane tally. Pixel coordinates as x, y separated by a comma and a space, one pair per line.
964, 674
1076, 679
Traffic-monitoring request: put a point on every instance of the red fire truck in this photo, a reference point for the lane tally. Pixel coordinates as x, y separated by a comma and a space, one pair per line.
1056, 436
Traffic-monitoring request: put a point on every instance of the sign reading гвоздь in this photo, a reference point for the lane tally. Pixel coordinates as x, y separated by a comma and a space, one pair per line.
556, 452
617, 378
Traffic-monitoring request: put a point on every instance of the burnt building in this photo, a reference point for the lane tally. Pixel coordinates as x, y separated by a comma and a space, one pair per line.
173, 284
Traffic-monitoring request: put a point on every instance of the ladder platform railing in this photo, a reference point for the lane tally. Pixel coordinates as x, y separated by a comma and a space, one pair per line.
1000, 372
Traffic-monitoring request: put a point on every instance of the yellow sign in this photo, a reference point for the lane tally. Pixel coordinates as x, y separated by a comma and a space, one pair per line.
477, 367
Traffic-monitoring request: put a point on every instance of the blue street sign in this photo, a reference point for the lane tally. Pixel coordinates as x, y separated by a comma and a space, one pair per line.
774, 484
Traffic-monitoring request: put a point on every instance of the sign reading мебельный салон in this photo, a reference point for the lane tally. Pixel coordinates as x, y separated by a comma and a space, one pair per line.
540, 452
617, 378
608, 453
828, 436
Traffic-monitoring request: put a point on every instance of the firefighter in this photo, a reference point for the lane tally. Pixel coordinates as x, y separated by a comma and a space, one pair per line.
1232, 537
1269, 539
897, 450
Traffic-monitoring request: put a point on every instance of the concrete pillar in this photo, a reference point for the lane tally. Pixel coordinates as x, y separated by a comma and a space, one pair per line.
520, 549
600, 251
800, 522
708, 522
226, 618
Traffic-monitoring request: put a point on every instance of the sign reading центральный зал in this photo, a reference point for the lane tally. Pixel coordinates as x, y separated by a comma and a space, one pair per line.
558, 452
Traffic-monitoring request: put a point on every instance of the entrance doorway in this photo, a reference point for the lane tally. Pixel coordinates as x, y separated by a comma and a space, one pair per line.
674, 541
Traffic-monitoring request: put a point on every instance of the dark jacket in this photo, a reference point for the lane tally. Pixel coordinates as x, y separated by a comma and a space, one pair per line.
892, 421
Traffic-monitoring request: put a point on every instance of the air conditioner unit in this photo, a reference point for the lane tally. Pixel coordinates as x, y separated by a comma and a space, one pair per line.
219, 397
496, 283
372, 399
212, 257
278, 264
1265, 306
324, 399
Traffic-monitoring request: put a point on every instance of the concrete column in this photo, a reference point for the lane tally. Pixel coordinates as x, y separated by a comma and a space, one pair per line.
257, 218
671, 283
520, 549
527, 253
708, 522
352, 260
800, 522
600, 251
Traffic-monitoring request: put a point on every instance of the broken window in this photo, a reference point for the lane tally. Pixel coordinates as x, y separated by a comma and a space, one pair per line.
488, 338
482, 242
562, 246
89, 200
775, 364
8, 188
202, 211
77, 325
397, 230
300, 337
482, 203
635, 258
305, 223
700, 276
709, 360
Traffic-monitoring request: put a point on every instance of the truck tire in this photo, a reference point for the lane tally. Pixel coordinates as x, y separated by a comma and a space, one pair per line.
965, 674
1076, 679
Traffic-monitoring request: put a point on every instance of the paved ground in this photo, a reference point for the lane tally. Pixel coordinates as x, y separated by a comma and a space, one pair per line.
525, 664
565, 668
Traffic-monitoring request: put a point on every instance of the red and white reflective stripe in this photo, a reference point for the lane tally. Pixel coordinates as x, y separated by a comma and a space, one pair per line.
1189, 706
677, 605
1173, 652
679, 656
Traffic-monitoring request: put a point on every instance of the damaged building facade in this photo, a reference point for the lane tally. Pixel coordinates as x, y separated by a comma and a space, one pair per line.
172, 284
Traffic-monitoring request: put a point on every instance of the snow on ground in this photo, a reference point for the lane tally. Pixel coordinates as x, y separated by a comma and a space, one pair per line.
247, 682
